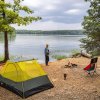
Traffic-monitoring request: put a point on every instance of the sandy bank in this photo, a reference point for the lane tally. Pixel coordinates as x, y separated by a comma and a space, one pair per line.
77, 86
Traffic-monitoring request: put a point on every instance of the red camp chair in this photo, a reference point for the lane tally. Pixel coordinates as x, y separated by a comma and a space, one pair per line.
91, 68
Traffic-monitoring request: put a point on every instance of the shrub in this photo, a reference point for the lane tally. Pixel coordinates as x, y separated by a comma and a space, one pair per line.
59, 57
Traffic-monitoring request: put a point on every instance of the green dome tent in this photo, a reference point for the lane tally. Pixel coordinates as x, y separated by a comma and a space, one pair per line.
24, 77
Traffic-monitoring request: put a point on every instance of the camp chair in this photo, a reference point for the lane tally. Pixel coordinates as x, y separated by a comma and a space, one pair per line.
91, 68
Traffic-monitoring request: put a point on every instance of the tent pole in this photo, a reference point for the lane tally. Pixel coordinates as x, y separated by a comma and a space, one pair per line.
23, 89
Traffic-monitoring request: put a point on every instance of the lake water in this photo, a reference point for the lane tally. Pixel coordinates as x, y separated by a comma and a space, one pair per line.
32, 46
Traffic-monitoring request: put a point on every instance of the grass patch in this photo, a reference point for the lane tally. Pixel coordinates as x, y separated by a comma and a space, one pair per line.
59, 57
74, 53
11, 57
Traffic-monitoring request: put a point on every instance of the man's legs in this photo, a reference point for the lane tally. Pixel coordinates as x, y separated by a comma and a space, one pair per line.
46, 60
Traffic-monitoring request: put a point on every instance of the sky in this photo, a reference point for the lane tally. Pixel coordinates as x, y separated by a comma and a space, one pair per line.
56, 14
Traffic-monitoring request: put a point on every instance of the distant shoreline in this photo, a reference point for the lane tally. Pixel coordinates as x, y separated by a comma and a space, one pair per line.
54, 32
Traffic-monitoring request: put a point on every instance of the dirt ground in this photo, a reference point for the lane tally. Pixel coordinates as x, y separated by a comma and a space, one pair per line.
77, 86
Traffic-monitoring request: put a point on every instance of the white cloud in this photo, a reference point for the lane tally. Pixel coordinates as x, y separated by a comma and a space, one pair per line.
79, 5
49, 7
9, 1
56, 14
38, 3
73, 11
32, 3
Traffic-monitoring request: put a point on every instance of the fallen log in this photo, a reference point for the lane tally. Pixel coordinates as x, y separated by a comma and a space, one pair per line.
85, 55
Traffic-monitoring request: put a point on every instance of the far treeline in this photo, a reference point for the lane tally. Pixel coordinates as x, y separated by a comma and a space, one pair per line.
54, 32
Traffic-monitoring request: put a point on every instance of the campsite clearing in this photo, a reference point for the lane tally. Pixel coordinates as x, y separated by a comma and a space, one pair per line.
77, 86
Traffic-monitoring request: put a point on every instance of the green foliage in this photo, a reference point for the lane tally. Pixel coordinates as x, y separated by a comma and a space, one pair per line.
75, 51
95, 53
1, 58
10, 14
12, 57
91, 27
11, 36
59, 57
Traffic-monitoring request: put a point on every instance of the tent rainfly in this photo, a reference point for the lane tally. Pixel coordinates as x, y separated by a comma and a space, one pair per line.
24, 77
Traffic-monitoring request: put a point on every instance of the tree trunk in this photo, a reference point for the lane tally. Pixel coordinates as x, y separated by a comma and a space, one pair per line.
6, 51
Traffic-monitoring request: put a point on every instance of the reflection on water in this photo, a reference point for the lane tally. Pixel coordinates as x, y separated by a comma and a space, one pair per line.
32, 46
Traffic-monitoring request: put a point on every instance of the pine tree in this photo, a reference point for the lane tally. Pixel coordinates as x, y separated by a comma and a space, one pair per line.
91, 25
10, 14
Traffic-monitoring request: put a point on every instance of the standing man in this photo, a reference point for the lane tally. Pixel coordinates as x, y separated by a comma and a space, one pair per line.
46, 55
